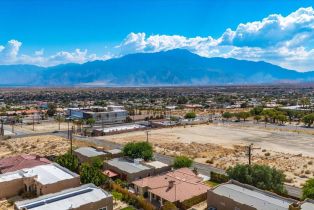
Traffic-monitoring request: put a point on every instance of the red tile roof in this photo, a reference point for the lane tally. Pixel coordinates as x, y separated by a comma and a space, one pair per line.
18, 162
178, 185
110, 173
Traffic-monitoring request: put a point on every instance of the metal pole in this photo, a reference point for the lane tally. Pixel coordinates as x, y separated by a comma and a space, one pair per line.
33, 123
250, 153
68, 129
71, 142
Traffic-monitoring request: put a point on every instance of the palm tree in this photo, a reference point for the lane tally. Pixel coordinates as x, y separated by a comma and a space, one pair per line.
59, 119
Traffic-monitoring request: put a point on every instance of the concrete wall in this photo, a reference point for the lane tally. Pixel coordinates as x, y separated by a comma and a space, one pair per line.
58, 186
11, 188
107, 202
224, 203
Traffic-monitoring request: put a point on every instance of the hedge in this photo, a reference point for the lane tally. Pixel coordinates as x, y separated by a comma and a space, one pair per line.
219, 178
192, 201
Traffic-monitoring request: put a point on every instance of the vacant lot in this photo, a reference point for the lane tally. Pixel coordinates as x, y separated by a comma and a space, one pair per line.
224, 146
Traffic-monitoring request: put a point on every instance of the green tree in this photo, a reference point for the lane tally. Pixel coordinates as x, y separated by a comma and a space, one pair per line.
190, 115
257, 118
256, 111
308, 189
138, 150
182, 162
52, 109
90, 122
97, 162
227, 115
91, 174
308, 120
68, 161
116, 195
282, 118
260, 176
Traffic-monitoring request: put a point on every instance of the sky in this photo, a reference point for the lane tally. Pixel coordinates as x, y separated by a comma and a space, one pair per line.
52, 32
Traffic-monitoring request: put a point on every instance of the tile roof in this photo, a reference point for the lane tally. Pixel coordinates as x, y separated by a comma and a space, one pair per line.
177, 185
18, 162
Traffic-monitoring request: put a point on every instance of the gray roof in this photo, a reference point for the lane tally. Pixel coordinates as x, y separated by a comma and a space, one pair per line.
308, 205
114, 151
66, 199
127, 165
89, 152
258, 199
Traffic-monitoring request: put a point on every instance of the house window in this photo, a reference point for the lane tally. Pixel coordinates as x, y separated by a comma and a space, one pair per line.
103, 208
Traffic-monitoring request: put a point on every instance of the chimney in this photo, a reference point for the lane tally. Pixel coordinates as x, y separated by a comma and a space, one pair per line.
295, 206
171, 184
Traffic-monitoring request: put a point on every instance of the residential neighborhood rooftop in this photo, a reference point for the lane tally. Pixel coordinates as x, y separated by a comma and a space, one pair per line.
252, 196
18, 162
127, 165
307, 205
89, 151
66, 199
156, 164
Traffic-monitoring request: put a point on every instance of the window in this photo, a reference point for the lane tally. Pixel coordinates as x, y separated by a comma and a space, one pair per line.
103, 208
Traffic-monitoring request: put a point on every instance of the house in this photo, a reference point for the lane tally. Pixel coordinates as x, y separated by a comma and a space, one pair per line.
133, 169
38, 180
85, 154
234, 195
18, 162
174, 186
128, 169
80, 198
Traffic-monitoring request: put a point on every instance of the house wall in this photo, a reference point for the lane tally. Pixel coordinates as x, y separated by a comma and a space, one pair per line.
224, 203
58, 186
107, 202
12, 188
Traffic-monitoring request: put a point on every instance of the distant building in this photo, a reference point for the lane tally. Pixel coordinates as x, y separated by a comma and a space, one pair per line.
234, 195
131, 170
80, 198
102, 115
39, 180
174, 186
18, 162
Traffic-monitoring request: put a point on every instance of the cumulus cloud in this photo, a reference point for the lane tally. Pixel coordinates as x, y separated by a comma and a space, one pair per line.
287, 41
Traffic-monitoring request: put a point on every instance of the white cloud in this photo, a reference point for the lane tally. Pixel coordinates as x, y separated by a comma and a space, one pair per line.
286, 41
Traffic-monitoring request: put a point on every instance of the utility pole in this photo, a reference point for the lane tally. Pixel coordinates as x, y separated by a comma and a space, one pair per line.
147, 133
68, 128
249, 152
2, 129
13, 126
33, 123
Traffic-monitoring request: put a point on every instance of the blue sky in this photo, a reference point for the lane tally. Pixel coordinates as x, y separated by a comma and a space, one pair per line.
50, 32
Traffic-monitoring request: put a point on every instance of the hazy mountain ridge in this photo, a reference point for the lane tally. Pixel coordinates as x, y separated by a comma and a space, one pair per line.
175, 67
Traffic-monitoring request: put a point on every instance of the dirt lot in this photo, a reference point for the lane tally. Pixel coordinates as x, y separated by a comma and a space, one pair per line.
45, 145
223, 146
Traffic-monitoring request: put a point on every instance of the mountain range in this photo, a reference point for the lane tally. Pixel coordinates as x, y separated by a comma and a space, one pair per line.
168, 68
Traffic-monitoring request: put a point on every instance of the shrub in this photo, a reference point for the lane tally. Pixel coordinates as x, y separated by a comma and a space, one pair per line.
190, 115
68, 161
308, 189
182, 162
219, 178
91, 174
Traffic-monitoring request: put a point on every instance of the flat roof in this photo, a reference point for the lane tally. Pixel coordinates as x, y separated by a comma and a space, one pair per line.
307, 205
11, 176
255, 198
66, 199
126, 165
156, 164
89, 152
114, 151
47, 174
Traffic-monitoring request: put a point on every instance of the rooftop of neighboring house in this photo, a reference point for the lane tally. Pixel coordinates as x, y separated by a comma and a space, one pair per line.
251, 196
114, 151
156, 164
44, 174
18, 162
308, 204
177, 185
89, 152
66, 199
129, 166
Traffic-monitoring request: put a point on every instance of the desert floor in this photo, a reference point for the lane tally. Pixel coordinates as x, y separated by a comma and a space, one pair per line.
224, 146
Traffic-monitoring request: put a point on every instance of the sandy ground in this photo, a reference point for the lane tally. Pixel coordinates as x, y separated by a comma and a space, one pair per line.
224, 146
45, 145
42, 127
